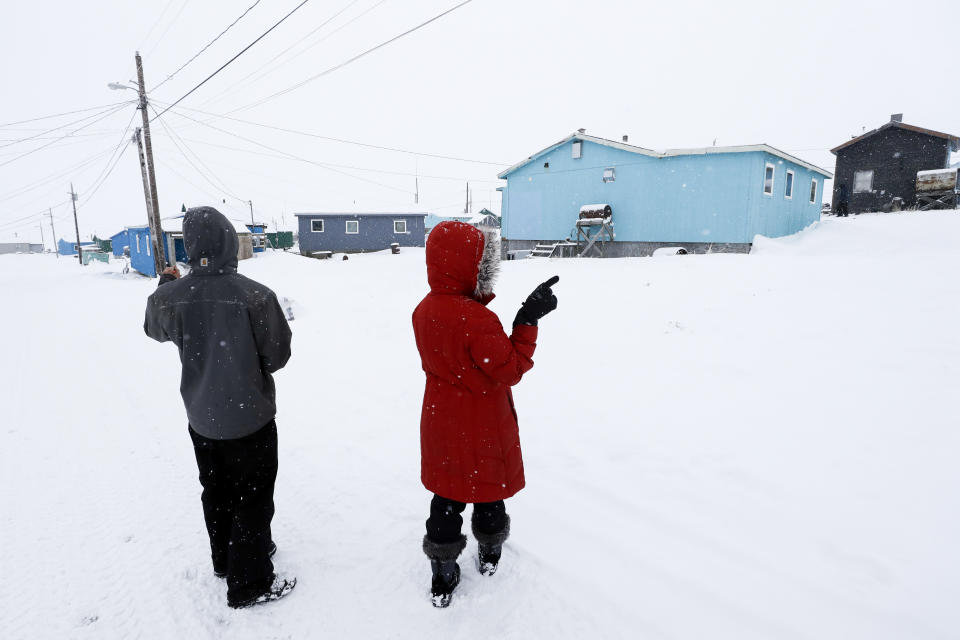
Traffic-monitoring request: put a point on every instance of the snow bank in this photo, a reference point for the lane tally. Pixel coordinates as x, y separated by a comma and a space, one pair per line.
767, 449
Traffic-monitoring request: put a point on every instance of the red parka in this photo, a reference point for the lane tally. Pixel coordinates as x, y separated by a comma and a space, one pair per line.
469, 440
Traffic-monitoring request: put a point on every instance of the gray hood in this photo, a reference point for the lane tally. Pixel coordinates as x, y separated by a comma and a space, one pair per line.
211, 242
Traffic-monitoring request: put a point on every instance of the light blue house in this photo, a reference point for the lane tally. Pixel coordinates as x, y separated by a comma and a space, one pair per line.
710, 199
68, 247
118, 241
359, 232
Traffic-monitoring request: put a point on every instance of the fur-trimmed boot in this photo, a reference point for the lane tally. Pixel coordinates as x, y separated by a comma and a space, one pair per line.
446, 571
489, 548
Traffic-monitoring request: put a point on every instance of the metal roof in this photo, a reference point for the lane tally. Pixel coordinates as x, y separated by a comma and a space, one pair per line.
954, 140
623, 146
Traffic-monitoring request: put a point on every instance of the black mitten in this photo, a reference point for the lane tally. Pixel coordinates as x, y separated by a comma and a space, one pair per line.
538, 304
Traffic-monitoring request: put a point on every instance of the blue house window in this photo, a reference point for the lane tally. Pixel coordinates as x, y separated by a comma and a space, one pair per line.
813, 191
609, 174
316, 226
768, 180
788, 189
353, 226
577, 149
399, 226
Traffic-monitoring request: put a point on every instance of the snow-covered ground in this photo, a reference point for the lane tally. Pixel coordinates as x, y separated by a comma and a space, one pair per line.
721, 446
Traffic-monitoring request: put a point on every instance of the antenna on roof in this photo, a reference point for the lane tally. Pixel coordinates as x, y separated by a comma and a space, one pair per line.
581, 130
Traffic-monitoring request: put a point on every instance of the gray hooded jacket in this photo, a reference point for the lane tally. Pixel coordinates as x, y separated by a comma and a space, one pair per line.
231, 332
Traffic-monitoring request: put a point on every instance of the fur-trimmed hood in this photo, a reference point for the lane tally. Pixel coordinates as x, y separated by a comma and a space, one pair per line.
463, 260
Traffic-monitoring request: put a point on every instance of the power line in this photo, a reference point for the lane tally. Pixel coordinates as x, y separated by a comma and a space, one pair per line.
65, 113
157, 21
108, 168
239, 83
67, 135
295, 157
334, 139
344, 166
196, 55
63, 126
353, 59
173, 138
56, 176
227, 63
171, 23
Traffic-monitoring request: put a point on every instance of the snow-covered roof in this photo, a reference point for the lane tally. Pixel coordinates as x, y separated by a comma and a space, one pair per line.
933, 172
623, 146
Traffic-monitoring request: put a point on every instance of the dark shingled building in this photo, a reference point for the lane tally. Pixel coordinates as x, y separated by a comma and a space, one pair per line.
881, 165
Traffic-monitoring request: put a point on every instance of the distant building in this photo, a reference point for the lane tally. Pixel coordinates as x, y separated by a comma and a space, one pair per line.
119, 241
881, 166
258, 236
69, 248
708, 199
141, 249
359, 232
484, 219
20, 247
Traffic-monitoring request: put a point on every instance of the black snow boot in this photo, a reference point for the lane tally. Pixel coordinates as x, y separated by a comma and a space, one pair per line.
446, 571
489, 547
222, 573
280, 587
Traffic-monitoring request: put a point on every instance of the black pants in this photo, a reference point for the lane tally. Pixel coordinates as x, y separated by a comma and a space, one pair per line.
238, 477
444, 523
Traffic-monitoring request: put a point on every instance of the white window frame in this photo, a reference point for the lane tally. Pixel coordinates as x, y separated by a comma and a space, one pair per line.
404, 223
868, 189
138, 242
789, 181
312, 228
773, 178
613, 174
813, 191
576, 151
347, 227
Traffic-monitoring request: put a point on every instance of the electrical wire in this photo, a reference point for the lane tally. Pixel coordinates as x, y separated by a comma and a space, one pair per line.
242, 51
351, 60
157, 22
197, 54
63, 126
334, 139
222, 186
239, 84
164, 34
65, 113
52, 142
295, 157
56, 176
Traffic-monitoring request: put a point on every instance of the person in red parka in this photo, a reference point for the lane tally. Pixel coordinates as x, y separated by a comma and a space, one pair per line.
469, 439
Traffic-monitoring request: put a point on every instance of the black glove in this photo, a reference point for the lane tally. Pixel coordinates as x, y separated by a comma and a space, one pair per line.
538, 304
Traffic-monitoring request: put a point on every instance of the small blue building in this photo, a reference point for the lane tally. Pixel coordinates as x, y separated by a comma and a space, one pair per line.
359, 232
118, 241
709, 199
141, 249
69, 247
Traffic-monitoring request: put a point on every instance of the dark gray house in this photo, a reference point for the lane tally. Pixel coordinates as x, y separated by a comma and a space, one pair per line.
359, 232
881, 165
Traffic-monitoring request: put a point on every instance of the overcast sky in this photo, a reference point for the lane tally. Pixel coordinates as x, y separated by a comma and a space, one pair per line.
494, 81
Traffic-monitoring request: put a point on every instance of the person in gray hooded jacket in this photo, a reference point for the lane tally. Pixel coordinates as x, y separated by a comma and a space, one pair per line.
232, 336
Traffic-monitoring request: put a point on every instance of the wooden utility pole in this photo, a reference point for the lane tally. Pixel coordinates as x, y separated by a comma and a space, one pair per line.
76, 225
43, 242
56, 246
151, 217
252, 221
153, 210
